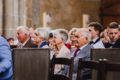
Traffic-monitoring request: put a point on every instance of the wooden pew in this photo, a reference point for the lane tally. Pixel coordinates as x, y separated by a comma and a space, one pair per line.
31, 64
113, 55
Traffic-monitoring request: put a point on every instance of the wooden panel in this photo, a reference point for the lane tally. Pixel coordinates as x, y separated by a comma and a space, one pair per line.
107, 19
110, 11
113, 9
31, 64
113, 55
106, 3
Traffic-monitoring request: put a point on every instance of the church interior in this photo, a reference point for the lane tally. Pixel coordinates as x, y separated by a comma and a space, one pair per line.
56, 14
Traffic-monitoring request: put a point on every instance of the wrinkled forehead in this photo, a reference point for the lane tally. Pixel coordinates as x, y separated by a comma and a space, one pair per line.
19, 31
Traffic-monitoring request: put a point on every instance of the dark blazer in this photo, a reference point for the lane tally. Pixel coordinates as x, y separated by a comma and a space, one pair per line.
29, 44
116, 45
5, 60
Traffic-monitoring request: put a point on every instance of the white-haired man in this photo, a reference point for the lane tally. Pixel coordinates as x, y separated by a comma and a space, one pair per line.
82, 37
23, 36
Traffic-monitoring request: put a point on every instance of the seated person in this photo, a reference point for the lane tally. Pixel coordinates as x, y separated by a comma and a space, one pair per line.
113, 34
5, 60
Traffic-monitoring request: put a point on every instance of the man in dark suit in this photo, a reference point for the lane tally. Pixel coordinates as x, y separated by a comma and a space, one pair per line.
5, 60
82, 51
23, 36
113, 34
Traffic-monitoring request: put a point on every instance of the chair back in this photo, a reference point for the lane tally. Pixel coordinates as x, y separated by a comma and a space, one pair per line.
61, 61
87, 64
113, 55
108, 67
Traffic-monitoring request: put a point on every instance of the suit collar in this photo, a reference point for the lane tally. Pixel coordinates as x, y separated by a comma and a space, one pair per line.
96, 40
84, 50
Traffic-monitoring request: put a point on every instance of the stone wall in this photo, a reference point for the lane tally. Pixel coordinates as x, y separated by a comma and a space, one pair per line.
1, 16
66, 13
13, 16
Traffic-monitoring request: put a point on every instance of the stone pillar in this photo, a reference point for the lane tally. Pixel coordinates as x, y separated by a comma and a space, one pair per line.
1, 16
22, 12
29, 13
35, 13
10, 18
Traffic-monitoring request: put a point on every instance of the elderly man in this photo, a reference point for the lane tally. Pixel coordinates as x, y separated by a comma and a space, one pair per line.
82, 51
5, 60
95, 29
23, 36
113, 34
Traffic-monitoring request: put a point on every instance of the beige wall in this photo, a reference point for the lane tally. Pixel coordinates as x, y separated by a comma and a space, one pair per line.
13, 16
66, 13
1, 16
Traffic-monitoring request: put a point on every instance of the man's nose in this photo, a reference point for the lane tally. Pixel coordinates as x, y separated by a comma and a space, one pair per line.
113, 35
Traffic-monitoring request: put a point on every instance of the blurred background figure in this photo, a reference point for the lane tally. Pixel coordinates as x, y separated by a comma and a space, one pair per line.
51, 41
32, 33
10, 41
5, 60
41, 37
104, 36
71, 38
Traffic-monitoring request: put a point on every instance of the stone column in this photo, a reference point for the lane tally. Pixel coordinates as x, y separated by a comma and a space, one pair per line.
22, 12
1, 16
10, 18
29, 13
35, 13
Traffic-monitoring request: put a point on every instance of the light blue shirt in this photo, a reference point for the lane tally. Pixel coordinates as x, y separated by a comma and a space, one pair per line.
5, 60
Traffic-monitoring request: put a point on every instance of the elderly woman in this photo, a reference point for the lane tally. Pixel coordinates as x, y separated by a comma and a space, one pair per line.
60, 37
41, 37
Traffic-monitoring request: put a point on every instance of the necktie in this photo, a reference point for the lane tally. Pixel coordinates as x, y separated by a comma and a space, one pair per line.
75, 54
91, 42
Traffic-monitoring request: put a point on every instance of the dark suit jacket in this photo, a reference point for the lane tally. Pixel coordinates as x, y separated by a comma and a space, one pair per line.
29, 44
116, 45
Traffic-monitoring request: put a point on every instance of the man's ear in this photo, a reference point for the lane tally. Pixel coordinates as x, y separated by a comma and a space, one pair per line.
97, 32
86, 38
62, 39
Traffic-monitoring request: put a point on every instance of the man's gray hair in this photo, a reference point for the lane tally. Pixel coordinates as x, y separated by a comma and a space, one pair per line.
86, 33
61, 33
42, 33
24, 30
